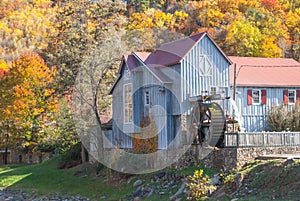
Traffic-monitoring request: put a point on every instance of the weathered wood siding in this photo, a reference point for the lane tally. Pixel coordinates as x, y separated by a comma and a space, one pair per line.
254, 116
162, 102
120, 137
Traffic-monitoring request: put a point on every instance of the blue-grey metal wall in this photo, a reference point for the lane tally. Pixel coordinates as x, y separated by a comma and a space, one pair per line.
202, 68
254, 116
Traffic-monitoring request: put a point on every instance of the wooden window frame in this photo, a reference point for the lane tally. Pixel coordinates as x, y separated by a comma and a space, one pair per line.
127, 103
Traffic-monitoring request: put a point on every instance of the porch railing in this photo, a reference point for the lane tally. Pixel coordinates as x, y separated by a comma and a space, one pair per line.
262, 139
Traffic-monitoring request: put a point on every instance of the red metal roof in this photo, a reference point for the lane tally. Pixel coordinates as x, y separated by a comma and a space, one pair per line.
173, 52
270, 72
166, 55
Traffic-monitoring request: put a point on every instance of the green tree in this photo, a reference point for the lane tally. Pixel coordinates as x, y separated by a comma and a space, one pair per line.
59, 133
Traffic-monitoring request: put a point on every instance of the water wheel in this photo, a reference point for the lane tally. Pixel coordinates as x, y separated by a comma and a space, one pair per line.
217, 125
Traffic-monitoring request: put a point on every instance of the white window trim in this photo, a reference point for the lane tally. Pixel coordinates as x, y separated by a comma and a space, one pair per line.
124, 104
259, 102
295, 96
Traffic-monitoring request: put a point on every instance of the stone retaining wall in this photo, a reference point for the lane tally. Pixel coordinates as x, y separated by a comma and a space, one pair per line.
20, 157
229, 159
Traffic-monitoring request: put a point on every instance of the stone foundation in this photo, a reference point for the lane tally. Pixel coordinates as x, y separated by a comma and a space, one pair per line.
20, 157
229, 159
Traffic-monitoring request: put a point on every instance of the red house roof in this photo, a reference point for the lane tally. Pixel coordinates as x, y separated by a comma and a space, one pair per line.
268, 72
173, 52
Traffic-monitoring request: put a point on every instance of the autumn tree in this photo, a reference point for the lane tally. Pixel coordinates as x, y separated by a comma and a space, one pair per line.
27, 102
24, 27
293, 25
80, 25
59, 133
243, 39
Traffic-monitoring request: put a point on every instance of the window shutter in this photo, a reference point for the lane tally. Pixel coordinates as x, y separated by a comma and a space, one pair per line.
263, 96
249, 97
285, 97
298, 96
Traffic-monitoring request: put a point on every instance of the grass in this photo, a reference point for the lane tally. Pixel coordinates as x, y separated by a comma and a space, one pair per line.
45, 178
265, 180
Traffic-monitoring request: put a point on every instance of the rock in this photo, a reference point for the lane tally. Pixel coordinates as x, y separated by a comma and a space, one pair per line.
179, 192
238, 180
103, 197
160, 174
150, 193
137, 183
288, 161
216, 180
137, 199
137, 192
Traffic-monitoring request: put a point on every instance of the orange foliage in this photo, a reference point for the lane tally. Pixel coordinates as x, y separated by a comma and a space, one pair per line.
269, 4
147, 141
26, 95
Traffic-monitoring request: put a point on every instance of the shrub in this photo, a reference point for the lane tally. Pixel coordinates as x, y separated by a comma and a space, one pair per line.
198, 185
284, 118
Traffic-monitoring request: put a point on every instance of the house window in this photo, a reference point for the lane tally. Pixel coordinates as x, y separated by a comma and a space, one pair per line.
292, 96
256, 96
147, 98
213, 90
127, 95
126, 74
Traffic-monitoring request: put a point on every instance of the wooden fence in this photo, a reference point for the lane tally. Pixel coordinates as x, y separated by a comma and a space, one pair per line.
262, 139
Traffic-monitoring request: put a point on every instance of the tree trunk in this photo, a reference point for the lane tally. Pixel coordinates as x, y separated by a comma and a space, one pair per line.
5, 156
83, 155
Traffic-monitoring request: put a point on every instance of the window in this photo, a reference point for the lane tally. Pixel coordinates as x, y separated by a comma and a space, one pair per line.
256, 96
127, 95
126, 74
213, 90
147, 98
292, 96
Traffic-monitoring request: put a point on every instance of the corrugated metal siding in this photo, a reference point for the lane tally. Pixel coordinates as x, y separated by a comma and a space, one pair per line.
195, 67
119, 136
173, 101
161, 104
254, 116
174, 73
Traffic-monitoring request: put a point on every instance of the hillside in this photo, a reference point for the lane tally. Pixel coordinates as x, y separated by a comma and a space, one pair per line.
259, 180
263, 180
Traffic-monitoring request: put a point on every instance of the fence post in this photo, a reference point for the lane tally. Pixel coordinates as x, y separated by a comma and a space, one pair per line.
237, 139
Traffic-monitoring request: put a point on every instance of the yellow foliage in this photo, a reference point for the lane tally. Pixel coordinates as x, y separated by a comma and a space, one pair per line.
153, 18
25, 26
3, 64
26, 94
198, 185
